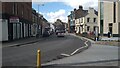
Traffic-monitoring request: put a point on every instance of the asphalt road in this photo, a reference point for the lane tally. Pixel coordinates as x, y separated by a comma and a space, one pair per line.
51, 48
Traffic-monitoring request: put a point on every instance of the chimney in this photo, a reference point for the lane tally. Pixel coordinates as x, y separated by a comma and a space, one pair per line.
80, 7
91, 10
75, 9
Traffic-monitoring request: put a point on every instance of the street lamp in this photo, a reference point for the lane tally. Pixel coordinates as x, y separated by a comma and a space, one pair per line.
41, 18
41, 24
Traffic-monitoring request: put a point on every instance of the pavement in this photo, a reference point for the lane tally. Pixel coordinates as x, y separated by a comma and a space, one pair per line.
21, 42
110, 39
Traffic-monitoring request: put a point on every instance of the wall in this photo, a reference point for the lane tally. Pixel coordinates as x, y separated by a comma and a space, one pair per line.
4, 30
99, 15
108, 18
91, 15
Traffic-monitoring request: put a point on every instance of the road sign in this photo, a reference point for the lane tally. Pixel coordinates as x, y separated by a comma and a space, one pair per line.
14, 19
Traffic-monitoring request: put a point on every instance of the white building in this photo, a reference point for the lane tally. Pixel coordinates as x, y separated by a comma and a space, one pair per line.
87, 22
109, 17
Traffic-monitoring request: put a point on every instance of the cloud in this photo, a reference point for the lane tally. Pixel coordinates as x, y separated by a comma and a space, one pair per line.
60, 14
85, 3
74, 3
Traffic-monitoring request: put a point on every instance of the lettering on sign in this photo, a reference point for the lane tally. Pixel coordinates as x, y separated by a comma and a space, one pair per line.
14, 19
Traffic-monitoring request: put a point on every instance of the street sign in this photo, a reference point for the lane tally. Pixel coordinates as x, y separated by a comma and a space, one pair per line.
14, 19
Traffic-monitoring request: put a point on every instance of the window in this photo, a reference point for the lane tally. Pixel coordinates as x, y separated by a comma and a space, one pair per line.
13, 8
88, 28
114, 12
94, 19
88, 19
110, 27
110, 24
101, 10
16, 8
94, 28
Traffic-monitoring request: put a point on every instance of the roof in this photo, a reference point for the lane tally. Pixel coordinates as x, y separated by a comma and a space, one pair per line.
80, 13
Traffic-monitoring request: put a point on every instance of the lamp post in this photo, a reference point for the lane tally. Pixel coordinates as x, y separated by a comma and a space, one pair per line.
41, 24
38, 27
38, 19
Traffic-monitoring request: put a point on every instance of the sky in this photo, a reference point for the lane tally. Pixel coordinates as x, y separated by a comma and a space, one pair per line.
60, 9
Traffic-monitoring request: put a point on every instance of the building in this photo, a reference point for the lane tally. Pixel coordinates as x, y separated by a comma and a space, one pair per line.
68, 23
79, 19
35, 24
39, 23
66, 26
16, 20
45, 24
109, 17
59, 24
91, 20
71, 22
85, 20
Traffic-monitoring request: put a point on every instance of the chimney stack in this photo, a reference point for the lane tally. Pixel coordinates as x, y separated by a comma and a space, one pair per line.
80, 7
75, 9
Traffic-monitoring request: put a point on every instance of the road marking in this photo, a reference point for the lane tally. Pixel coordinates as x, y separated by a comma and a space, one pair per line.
67, 55
86, 45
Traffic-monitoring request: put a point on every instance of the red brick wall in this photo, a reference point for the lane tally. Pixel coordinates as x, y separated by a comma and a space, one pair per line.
26, 7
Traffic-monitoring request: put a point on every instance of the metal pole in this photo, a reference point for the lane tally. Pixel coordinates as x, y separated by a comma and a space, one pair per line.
37, 21
41, 25
38, 59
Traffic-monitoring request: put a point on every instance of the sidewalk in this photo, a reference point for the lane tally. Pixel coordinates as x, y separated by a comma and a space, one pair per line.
21, 42
110, 39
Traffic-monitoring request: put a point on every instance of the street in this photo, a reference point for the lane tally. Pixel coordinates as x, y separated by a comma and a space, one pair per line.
50, 34
51, 49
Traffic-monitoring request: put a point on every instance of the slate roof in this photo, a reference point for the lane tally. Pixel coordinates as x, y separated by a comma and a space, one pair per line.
80, 13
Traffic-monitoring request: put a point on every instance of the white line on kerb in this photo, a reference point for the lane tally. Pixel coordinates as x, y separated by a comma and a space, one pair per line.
86, 45
67, 55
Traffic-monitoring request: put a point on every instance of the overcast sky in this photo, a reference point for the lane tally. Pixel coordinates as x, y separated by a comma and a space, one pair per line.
54, 9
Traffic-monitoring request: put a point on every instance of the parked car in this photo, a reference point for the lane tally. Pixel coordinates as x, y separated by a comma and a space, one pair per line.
60, 33
46, 34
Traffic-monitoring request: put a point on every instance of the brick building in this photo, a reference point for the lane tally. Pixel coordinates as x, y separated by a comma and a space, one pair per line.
16, 20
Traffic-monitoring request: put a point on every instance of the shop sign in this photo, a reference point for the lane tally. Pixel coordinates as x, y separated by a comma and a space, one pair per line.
14, 19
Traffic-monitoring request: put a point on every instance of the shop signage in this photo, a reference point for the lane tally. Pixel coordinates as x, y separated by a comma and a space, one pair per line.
14, 19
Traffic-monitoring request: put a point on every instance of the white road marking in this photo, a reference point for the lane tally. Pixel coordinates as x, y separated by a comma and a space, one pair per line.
80, 48
67, 55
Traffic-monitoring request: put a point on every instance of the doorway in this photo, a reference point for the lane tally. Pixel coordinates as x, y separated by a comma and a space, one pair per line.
110, 27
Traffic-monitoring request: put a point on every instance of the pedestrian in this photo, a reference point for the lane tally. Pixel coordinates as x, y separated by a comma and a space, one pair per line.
109, 34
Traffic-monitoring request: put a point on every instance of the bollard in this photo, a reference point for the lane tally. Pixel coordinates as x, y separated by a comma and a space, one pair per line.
38, 59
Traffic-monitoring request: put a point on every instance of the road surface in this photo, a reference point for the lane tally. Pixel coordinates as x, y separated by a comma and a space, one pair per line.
51, 49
